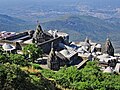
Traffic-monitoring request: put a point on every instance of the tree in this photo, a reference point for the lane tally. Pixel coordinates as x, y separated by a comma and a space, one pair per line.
11, 78
32, 51
88, 78
67, 76
17, 59
3, 58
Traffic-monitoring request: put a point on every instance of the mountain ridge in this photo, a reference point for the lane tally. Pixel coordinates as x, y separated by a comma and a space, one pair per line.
82, 24
78, 27
8, 23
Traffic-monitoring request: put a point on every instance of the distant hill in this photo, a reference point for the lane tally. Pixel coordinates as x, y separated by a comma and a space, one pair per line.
79, 27
8, 23
95, 28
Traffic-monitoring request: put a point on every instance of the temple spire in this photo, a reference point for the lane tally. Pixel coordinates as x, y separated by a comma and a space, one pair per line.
109, 47
38, 36
87, 40
39, 28
53, 62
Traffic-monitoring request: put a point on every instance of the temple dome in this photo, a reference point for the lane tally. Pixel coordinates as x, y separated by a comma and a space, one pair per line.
98, 46
51, 32
8, 47
108, 70
80, 50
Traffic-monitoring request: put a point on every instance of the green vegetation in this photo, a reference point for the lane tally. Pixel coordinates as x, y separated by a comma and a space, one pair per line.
36, 66
18, 59
16, 73
3, 58
32, 51
88, 78
13, 59
13, 78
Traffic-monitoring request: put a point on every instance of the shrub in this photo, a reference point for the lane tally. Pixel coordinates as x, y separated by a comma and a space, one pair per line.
36, 66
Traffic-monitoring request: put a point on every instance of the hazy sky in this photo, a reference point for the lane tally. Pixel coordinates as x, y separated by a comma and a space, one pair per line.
97, 4
93, 3
63, 1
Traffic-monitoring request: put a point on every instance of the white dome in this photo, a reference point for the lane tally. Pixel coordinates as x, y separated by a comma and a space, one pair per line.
108, 70
8, 47
98, 46
85, 48
13, 33
117, 68
94, 54
51, 32
73, 43
80, 50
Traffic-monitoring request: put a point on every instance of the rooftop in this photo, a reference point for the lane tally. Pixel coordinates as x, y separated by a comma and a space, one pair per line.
8, 47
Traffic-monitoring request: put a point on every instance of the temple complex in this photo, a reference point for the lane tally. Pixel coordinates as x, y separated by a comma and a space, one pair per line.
59, 52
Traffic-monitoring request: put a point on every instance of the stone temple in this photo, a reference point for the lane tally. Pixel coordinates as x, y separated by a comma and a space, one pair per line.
53, 61
109, 47
58, 51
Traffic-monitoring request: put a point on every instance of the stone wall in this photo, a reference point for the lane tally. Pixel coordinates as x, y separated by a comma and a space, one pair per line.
46, 46
17, 36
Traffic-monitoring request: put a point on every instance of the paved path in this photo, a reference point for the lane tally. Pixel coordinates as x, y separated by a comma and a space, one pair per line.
81, 64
